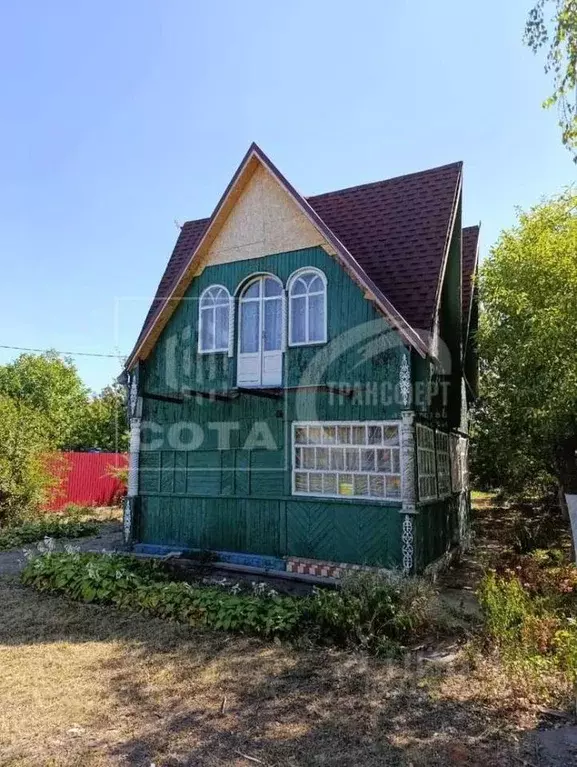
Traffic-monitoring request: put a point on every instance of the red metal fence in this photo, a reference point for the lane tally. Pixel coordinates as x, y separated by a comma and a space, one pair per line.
87, 479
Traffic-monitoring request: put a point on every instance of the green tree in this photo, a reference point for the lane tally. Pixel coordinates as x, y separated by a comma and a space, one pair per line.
527, 420
51, 386
26, 476
103, 423
552, 24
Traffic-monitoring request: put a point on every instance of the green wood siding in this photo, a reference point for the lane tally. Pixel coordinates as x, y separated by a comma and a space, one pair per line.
437, 528
239, 499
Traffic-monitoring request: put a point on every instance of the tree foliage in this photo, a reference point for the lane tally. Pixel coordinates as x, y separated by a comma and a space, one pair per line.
552, 24
103, 423
528, 348
25, 476
50, 386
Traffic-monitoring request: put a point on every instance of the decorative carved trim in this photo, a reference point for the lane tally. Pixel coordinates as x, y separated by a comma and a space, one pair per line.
133, 457
408, 460
405, 381
408, 540
127, 520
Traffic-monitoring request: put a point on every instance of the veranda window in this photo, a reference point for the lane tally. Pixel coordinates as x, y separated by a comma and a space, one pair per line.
426, 462
443, 463
347, 460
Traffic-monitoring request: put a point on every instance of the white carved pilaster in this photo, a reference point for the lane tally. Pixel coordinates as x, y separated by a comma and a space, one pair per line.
408, 543
405, 388
408, 460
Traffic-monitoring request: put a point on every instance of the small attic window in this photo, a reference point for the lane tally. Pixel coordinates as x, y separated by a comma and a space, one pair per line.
213, 321
307, 307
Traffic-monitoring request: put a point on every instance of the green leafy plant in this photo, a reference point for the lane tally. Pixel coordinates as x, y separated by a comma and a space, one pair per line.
48, 527
370, 612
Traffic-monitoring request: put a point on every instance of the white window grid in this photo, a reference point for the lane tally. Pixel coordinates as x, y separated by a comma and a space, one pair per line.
426, 466
347, 459
456, 468
212, 298
293, 279
443, 463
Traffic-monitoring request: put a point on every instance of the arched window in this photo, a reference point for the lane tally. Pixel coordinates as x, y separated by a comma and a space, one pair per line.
214, 314
307, 308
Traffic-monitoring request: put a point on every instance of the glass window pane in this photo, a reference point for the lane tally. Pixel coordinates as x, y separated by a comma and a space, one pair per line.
221, 297
384, 460
367, 460
359, 435
352, 459
329, 484
361, 483
272, 287
344, 435
396, 461
299, 287
316, 483
316, 318
298, 320
272, 325
207, 329
298, 458
301, 482
316, 284
393, 487
301, 435
346, 484
337, 459
315, 435
253, 291
206, 300
377, 486
329, 435
391, 435
375, 435
322, 458
249, 327
308, 457
221, 314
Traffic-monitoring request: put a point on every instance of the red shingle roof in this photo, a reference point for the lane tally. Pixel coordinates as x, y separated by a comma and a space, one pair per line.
397, 230
470, 246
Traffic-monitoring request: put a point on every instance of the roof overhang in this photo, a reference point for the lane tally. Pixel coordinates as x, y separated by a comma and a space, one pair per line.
251, 161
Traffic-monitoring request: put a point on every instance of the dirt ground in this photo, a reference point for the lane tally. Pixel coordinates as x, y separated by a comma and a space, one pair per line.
82, 685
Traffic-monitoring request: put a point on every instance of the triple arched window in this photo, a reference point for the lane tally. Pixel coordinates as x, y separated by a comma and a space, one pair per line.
262, 314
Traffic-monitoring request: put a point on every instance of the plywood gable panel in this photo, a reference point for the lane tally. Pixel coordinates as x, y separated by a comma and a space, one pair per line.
264, 220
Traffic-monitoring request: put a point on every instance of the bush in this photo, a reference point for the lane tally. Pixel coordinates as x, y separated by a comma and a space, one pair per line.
49, 527
370, 612
532, 623
369, 608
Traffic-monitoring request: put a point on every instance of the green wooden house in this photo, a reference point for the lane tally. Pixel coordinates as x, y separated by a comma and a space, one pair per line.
299, 392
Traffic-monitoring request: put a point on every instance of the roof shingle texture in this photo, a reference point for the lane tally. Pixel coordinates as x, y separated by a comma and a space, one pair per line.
395, 229
470, 242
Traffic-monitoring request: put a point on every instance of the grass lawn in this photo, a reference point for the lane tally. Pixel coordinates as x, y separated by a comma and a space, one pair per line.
88, 686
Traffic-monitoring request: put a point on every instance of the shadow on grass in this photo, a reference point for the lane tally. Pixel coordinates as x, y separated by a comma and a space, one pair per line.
173, 697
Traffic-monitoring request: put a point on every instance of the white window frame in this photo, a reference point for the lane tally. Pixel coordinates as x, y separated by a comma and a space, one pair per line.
426, 453
443, 461
291, 281
332, 445
202, 310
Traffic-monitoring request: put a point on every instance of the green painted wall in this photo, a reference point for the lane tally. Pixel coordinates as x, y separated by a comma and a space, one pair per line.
436, 530
239, 498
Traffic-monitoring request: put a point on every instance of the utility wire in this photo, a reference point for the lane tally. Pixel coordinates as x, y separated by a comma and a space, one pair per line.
70, 354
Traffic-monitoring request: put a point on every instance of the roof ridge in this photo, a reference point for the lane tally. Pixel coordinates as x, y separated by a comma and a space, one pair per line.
458, 164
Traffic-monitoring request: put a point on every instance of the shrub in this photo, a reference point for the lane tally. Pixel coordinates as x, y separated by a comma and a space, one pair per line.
48, 527
370, 612
369, 607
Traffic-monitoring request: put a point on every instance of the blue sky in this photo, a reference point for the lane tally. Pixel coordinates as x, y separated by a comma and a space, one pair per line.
118, 118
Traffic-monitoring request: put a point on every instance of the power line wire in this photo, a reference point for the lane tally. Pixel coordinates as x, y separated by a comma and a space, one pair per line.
70, 354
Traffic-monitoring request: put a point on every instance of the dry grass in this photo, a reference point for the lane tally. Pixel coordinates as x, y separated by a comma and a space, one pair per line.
88, 686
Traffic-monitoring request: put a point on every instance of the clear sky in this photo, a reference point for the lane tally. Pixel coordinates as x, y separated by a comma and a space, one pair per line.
118, 118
